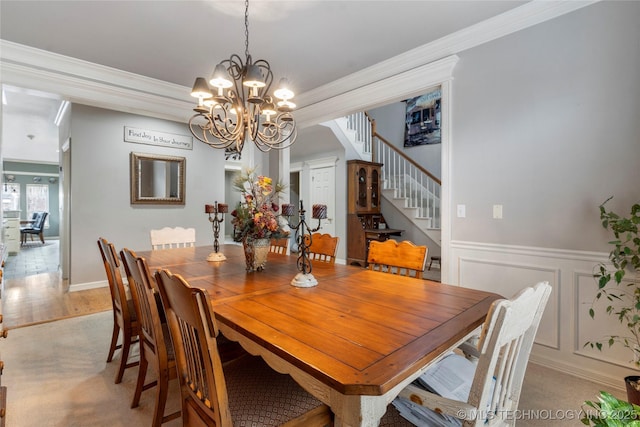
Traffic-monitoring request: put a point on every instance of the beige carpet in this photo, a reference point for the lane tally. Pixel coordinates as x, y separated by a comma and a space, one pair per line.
56, 375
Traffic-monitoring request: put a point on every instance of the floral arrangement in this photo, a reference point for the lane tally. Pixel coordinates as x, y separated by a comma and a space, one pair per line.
257, 216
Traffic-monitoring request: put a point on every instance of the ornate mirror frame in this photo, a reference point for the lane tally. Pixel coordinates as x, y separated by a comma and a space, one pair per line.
157, 180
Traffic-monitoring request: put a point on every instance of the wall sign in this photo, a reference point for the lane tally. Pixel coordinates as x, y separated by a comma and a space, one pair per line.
163, 139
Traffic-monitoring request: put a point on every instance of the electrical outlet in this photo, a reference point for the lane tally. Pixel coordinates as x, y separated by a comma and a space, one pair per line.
462, 211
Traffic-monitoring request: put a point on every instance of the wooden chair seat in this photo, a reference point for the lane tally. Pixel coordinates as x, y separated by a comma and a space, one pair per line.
323, 247
403, 258
245, 391
169, 238
125, 319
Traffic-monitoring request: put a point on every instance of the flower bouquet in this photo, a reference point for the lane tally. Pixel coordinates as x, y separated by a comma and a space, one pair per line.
256, 219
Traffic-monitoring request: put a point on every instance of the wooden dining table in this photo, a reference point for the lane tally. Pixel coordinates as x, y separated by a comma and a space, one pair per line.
353, 341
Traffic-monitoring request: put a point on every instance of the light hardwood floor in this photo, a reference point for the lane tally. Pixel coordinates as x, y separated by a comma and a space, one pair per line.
34, 292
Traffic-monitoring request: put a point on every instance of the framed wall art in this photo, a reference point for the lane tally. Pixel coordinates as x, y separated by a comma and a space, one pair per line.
423, 119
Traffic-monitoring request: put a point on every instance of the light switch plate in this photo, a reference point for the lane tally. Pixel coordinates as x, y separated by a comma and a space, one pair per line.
462, 211
497, 211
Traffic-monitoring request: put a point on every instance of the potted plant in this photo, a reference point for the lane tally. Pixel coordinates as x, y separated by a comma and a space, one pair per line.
609, 411
619, 283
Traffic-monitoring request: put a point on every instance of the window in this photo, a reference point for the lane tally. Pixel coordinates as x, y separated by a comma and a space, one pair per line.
38, 200
11, 197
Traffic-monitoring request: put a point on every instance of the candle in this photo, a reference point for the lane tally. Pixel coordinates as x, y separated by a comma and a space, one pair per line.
319, 211
223, 208
287, 209
209, 209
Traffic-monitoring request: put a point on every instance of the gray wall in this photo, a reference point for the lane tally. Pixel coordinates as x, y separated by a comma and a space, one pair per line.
547, 123
100, 203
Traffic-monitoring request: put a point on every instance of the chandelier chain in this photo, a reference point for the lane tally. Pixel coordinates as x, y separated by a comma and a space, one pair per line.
246, 28
241, 107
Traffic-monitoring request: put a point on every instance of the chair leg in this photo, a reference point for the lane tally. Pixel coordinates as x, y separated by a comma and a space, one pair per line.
41, 237
114, 341
126, 346
161, 399
142, 373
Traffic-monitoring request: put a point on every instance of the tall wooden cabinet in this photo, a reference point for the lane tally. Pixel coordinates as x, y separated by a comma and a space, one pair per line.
364, 219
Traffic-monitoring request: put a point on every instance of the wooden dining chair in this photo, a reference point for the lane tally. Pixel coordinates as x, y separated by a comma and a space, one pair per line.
503, 353
279, 246
156, 348
124, 314
402, 258
223, 395
170, 238
323, 247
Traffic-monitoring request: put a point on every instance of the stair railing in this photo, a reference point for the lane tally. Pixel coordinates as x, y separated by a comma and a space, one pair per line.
400, 173
407, 178
360, 123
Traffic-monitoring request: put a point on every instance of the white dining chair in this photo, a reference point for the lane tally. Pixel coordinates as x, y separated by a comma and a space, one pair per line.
169, 238
503, 352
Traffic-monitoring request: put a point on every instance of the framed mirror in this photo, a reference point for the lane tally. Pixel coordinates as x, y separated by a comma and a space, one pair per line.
157, 180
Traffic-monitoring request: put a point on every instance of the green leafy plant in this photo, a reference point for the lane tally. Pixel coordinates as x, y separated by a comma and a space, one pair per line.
623, 295
609, 411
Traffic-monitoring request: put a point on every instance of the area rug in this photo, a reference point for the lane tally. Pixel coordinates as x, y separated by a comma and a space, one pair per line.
56, 375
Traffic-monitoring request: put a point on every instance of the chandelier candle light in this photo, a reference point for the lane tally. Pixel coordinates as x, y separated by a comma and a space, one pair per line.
216, 209
304, 279
241, 108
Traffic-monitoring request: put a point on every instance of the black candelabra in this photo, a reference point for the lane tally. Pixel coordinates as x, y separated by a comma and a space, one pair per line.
304, 279
218, 210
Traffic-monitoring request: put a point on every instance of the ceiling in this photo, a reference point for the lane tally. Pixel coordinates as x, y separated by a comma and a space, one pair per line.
311, 42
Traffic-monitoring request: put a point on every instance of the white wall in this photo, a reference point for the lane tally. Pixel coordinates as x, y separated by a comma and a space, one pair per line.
100, 199
546, 123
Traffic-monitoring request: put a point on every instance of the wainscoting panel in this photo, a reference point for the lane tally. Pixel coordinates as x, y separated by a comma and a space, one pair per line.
566, 324
506, 279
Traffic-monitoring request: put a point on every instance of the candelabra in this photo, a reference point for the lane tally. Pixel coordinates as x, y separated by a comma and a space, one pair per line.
304, 279
218, 210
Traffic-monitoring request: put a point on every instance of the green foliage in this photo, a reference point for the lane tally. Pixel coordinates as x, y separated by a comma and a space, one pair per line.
609, 411
623, 295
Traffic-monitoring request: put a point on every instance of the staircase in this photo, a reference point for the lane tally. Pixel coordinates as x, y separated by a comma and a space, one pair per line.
410, 188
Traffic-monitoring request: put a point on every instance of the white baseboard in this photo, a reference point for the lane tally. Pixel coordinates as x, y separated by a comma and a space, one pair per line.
85, 286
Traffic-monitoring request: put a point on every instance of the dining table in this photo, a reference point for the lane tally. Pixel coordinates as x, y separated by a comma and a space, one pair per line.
354, 341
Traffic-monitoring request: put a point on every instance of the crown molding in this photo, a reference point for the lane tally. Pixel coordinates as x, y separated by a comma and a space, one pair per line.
92, 84
97, 85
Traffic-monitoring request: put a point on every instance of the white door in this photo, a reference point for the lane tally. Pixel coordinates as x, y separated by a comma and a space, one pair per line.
323, 189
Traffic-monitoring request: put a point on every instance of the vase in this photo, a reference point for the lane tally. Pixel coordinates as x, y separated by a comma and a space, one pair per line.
633, 394
255, 253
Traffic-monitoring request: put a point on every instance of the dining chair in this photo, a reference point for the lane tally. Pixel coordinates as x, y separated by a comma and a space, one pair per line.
156, 348
170, 238
323, 247
245, 389
36, 226
403, 258
279, 246
124, 314
503, 353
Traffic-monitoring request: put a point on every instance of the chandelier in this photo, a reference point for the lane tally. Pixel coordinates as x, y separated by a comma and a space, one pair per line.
240, 107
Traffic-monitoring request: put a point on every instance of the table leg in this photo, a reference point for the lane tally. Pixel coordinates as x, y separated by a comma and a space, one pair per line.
357, 411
